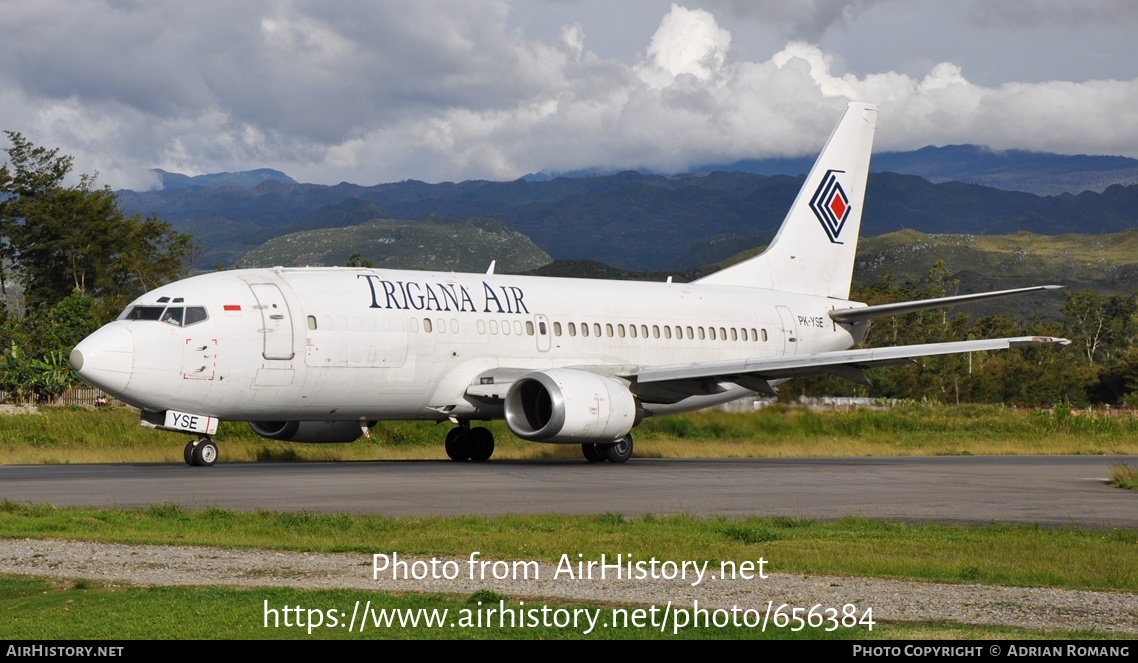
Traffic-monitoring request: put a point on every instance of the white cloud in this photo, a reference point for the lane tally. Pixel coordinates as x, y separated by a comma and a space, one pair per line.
447, 91
687, 42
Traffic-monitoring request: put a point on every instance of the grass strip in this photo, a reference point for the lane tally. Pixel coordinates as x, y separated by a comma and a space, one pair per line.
85, 435
42, 610
1124, 476
1008, 555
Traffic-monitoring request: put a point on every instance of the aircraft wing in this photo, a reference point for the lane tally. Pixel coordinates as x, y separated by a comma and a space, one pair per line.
756, 374
665, 384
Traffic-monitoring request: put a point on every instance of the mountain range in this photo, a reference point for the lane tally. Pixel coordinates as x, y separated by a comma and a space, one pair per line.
651, 222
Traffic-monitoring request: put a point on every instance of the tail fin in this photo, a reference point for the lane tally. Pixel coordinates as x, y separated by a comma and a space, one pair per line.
813, 252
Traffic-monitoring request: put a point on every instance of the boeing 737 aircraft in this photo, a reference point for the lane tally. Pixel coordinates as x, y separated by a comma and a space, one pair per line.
321, 354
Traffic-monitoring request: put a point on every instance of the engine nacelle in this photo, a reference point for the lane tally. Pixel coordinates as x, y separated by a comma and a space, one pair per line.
569, 406
308, 431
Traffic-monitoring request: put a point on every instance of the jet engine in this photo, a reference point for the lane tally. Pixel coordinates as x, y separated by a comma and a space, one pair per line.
308, 431
569, 406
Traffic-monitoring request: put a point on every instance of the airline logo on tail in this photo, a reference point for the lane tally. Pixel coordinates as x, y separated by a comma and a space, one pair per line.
831, 205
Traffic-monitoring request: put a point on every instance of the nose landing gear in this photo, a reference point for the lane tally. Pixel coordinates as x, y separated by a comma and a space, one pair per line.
201, 452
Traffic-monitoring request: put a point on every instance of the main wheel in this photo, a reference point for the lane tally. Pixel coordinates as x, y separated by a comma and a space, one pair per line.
593, 453
457, 444
188, 453
480, 443
621, 451
205, 453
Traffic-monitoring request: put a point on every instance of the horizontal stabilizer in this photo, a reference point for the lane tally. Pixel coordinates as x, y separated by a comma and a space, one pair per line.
846, 315
840, 363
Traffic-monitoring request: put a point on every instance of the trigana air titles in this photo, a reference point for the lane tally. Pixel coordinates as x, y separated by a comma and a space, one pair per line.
323, 354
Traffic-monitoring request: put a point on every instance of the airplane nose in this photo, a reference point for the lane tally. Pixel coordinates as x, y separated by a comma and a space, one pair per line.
105, 359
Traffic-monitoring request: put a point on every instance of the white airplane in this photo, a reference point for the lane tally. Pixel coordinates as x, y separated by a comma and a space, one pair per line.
322, 354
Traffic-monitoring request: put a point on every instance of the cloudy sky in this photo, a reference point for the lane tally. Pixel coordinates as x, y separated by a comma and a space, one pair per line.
381, 91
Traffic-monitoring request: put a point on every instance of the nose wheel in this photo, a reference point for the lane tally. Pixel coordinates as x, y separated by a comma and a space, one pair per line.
201, 452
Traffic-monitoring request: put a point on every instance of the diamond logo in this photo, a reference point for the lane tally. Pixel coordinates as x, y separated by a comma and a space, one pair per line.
831, 205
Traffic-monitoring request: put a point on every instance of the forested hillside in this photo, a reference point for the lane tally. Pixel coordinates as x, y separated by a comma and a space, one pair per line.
628, 220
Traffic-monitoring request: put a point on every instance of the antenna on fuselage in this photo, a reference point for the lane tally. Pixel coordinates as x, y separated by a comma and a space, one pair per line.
490, 269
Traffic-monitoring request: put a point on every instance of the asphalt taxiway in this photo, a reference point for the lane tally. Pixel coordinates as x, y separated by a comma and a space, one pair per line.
1049, 490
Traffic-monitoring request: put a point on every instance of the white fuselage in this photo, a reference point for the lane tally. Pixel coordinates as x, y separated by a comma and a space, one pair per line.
348, 344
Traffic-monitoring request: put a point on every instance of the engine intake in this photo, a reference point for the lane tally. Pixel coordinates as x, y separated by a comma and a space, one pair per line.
569, 406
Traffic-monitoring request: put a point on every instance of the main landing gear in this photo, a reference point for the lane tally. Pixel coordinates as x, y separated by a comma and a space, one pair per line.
466, 443
613, 453
201, 451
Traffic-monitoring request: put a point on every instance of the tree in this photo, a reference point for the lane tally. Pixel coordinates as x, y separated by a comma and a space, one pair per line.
60, 327
34, 172
61, 239
357, 260
1102, 326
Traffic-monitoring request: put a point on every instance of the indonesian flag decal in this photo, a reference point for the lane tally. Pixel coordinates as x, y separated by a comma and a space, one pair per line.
232, 309
831, 205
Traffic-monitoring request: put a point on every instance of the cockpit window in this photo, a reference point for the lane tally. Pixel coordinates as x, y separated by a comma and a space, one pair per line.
173, 315
179, 316
195, 314
144, 313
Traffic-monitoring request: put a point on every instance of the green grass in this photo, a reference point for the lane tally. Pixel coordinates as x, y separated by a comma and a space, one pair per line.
1124, 476
1011, 555
36, 609
82, 435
